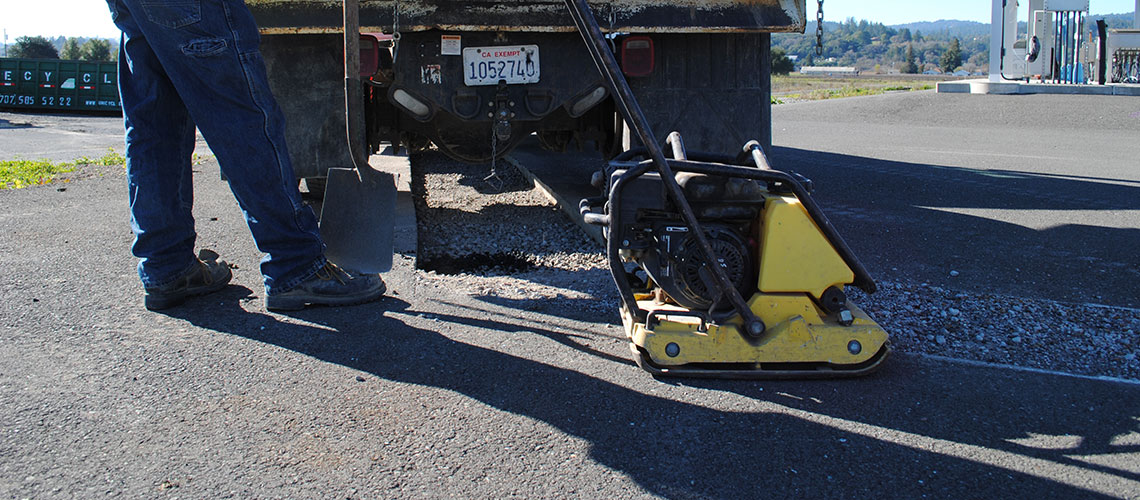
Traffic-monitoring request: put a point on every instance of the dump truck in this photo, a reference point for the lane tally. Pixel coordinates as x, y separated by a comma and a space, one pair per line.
475, 78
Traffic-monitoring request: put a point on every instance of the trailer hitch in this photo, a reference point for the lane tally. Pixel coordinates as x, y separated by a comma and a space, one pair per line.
501, 117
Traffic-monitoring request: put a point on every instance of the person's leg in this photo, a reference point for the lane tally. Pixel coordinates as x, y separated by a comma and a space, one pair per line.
209, 51
159, 140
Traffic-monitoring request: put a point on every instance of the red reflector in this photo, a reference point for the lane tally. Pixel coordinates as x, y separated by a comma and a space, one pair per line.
637, 56
369, 55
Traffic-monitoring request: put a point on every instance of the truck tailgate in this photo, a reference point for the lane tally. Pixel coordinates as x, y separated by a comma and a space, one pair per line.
633, 16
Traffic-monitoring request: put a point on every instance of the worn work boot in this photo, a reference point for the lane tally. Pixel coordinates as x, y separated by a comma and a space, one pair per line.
208, 276
331, 286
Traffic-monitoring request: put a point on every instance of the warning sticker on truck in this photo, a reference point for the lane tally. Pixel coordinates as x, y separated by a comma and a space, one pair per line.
450, 45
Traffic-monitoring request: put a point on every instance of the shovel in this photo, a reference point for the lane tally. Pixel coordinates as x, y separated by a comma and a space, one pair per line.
358, 215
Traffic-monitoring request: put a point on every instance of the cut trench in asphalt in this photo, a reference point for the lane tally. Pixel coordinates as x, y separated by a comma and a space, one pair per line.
479, 263
510, 246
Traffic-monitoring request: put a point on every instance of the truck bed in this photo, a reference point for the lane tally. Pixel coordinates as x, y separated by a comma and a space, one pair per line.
631, 16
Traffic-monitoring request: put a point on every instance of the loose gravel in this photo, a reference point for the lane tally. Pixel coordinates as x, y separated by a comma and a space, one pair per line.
512, 245
1084, 339
504, 240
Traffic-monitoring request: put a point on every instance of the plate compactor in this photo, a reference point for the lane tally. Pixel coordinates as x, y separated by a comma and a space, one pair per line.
725, 266
772, 242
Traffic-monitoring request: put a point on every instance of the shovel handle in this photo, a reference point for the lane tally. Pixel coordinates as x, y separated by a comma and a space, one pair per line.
353, 95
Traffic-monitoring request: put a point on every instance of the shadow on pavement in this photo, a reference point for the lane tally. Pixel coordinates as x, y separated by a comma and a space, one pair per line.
914, 429
9, 124
996, 228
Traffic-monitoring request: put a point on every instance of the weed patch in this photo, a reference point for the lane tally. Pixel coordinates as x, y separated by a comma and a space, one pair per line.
16, 174
20, 173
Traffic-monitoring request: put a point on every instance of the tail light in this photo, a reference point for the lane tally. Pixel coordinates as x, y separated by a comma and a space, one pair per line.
369, 55
637, 56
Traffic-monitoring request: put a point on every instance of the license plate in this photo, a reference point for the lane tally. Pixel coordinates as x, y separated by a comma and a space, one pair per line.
513, 64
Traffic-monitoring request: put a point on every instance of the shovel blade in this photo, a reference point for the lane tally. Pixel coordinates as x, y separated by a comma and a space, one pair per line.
358, 219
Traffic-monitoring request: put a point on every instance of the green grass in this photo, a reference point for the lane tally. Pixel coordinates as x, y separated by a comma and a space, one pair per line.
20, 173
813, 87
850, 91
110, 159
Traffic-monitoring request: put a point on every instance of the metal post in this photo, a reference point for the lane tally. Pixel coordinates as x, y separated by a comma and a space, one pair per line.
1068, 73
1069, 47
1074, 53
1055, 60
1060, 47
1080, 52
1101, 50
1072, 49
996, 41
1076, 47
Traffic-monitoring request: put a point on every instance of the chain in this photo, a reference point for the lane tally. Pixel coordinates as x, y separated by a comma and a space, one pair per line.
395, 31
819, 30
494, 180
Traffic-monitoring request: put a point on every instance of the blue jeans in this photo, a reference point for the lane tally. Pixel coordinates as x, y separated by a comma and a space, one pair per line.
187, 63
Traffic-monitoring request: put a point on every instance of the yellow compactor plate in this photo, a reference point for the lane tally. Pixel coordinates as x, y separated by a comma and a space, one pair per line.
799, 342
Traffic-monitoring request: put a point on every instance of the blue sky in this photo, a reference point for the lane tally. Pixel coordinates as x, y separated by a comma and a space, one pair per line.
91, 18
907, 11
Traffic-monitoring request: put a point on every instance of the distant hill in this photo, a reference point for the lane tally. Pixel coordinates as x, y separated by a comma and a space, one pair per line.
869, 46
960, 29
970, 29
1115, 21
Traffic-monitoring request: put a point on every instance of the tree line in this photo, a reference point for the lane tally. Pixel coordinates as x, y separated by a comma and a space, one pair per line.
38, 47
869, 46
914, 48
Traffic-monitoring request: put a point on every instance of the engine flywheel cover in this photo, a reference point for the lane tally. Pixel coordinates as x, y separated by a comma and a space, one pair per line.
695, 281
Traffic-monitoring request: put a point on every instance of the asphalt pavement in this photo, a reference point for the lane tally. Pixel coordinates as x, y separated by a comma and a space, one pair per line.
64, 137
1035, 195
432, 393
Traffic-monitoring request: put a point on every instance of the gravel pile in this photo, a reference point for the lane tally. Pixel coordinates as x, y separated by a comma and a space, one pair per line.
513, 245
504, 240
